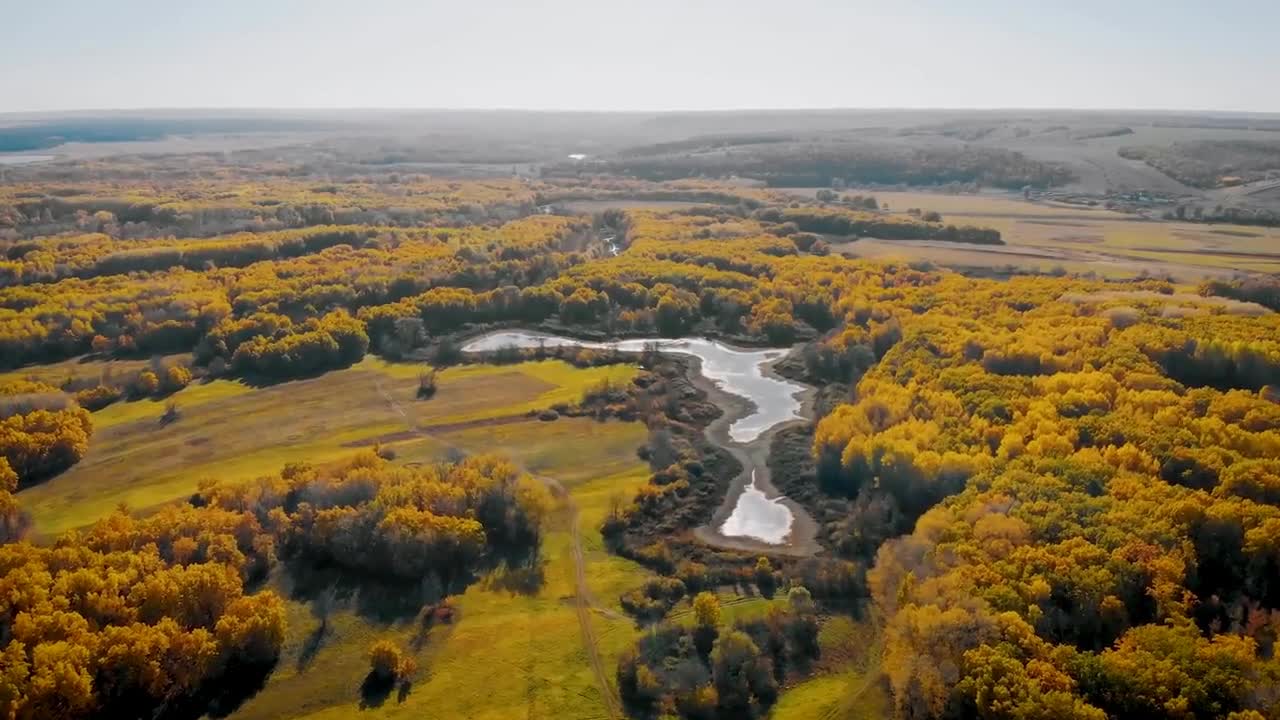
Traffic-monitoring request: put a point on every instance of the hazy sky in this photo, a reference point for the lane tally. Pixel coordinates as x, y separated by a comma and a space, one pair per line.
643, 54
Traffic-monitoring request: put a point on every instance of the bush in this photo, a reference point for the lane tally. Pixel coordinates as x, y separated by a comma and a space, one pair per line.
176, 377
147, 384
388, 662
96, 398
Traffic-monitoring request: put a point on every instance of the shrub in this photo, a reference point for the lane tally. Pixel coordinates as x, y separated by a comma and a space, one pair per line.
147, 384
176, 377
388, 662
96, 398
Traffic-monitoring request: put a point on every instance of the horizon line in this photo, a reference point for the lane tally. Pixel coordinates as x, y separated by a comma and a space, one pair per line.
627, 111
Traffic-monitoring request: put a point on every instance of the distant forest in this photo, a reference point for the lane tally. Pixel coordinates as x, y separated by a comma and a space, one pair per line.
783, 162
42, 136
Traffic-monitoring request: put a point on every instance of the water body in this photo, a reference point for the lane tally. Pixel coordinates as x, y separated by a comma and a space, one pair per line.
24, 159
737, 372
758, 517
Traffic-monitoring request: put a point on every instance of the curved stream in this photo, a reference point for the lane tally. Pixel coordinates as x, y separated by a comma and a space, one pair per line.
738, 372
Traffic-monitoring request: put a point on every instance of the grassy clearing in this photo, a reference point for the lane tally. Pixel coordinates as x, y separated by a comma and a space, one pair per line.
230, 431
734, 607
191, 397
847, 685
1044, 237
554, 448
83, 368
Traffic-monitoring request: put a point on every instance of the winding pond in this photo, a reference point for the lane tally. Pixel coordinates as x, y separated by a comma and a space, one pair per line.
738, 372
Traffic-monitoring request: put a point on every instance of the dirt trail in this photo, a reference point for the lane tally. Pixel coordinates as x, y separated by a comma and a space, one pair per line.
582, 604
582, 594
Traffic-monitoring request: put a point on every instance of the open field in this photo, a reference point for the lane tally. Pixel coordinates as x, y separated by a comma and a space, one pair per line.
230, 431
1047, 236
85, 369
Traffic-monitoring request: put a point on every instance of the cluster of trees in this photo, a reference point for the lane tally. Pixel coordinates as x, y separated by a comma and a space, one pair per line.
865, 202
173, 310
1230, 214
136, 617
86, 256
43, 431
856, 223
1262, 290
711, 670
1211, 163
336, 340
389, 664
395, 523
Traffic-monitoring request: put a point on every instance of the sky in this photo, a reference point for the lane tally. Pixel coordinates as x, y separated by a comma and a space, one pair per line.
640, 55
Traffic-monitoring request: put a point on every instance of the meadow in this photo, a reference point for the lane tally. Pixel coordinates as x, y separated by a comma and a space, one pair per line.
1044, 237
232, 431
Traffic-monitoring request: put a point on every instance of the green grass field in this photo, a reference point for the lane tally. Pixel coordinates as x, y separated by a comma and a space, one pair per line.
230, 431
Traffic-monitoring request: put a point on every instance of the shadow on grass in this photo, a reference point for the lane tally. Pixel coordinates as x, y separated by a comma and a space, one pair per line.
526, 578
258, 380
311, 646
372, 598
220, 698
376, 689
387, 600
